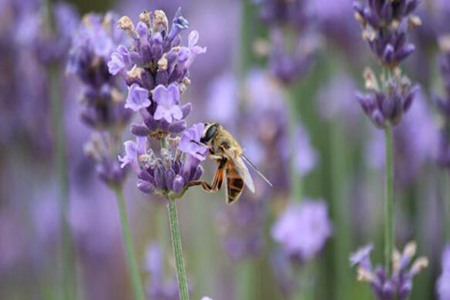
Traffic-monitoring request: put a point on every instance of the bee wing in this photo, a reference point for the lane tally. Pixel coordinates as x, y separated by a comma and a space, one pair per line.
243, 171
256, 170
241, 168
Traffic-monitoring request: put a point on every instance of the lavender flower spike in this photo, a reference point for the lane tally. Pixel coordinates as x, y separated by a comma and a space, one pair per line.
399, 284
311, 218
156, 69
443, 283
169, 171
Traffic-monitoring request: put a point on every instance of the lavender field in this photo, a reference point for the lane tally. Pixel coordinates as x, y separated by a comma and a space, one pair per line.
224, 150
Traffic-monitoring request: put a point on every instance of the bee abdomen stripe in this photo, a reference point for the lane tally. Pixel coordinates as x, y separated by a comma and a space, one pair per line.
238, 183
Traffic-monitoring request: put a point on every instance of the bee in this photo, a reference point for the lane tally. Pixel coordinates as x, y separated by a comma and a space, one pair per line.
230, 158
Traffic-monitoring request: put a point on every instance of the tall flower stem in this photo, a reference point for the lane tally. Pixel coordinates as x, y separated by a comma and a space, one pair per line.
447, 205
67, 255
296, 180
389, 200
340, 205
62, 171
129, 249
177, 249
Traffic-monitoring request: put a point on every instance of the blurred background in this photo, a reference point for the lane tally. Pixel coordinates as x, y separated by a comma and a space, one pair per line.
283, 83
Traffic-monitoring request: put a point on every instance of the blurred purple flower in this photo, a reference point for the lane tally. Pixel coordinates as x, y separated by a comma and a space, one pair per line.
311, 220
289, 66
103, 103
168, 100
138, 98
48, 47
399, 285
443, 282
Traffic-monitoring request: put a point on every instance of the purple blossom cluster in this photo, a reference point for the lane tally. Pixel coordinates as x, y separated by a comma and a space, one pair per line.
102, 98
385, 25
443, 283
93, 43
399, 285
169, 172
35, 32
389, 99
291, 51
311, 219
156, 70
26, 46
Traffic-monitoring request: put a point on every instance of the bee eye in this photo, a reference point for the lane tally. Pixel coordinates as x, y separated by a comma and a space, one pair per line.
209, 134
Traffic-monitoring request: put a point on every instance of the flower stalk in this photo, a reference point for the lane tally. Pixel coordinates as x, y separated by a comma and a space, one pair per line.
67, 255
62, 173
389, 200
177, 248
128, 243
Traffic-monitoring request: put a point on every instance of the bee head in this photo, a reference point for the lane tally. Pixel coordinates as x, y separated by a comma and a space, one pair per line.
209, 133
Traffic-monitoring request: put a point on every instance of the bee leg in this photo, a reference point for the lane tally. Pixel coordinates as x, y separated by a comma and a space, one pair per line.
205, 186
216, 157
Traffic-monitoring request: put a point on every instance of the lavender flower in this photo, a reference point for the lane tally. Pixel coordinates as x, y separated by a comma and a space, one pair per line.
311, 219
389, 100
399, 285
443, 283
384, 28
101, 148
170, 171
49, 47
102, 99
156, 69
92, 45
289, 63
385, 25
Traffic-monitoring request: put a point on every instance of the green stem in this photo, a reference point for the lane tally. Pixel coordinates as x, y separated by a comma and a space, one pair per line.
296, 179
246, 278
447, 205
389, 200
67, 255
340, 204
177, 249
128, 242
